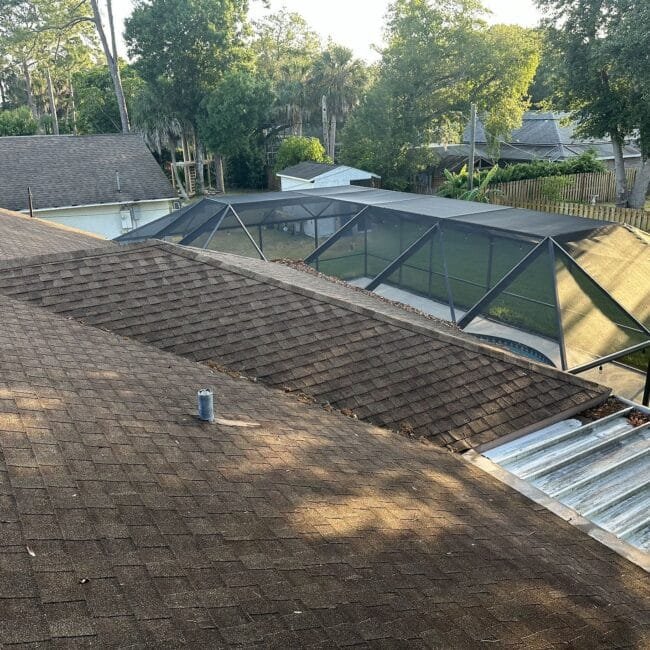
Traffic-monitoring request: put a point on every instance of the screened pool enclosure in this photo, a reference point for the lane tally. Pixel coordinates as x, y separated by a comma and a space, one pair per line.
540, 284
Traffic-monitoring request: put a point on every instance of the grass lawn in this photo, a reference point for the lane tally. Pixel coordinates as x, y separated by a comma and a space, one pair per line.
277, 244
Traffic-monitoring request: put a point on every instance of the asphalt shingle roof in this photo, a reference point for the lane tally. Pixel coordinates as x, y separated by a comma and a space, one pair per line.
389, 372
70, 170
22, 236
307, 170
126, 522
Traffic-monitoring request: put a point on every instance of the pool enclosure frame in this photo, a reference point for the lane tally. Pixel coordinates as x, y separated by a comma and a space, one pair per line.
348, 208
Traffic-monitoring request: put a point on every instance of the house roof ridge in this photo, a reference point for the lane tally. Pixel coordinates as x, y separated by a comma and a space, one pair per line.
405, 323
80, 253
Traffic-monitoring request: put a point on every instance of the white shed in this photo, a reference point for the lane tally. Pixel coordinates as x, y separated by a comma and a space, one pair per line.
307, 175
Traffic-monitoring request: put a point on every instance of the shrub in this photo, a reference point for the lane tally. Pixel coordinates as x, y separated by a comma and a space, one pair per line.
586, 163
296, 149
18, 121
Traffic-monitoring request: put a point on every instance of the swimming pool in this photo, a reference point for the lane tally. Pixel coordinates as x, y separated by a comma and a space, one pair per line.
516, 348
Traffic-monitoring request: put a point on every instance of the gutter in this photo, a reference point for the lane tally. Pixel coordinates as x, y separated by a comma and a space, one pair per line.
97, 205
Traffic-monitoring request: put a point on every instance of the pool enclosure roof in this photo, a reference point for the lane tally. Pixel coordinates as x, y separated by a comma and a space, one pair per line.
517, 221
504, 274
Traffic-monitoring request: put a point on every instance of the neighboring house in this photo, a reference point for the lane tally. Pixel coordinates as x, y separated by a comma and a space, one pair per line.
103, 184
307, 175
550, 136
542, 136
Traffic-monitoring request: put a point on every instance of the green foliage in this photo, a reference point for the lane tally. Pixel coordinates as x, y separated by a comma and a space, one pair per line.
296, 149
440, 57
18, 121
236, 112
233, 123
183, 47
553, 187
456, 184
95, 102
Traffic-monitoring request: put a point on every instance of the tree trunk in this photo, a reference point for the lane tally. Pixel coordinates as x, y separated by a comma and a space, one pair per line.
73, 106
332, 136
28, 89
639, 191
177, 176
111, 60
326, 134
200, 182
619, 170
218, 173
50, 92
186, 164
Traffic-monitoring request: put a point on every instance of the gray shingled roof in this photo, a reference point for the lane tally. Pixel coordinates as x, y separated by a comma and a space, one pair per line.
307, 170
549, 136
72, 170
389, 372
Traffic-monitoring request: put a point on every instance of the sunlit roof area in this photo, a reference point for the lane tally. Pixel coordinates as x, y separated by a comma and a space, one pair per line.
530, 281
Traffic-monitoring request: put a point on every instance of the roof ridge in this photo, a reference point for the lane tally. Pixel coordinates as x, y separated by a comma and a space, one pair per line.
81, 253
474, 346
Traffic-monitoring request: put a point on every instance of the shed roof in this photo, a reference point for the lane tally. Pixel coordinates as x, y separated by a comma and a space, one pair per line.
308, 170
71, 170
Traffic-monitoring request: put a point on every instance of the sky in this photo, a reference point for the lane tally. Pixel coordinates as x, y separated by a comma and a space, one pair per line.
363, 20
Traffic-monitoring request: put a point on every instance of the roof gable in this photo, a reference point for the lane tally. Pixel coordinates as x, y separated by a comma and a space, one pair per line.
70, 170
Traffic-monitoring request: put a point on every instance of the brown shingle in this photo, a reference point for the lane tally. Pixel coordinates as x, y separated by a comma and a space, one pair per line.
300, 333
22, 236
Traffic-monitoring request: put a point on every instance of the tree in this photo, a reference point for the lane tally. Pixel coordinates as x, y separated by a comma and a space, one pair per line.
97, 110
182, 50
296, 149
603, 82
110, 52
285, 50
236, 114
341, 80
439, 58
18, 121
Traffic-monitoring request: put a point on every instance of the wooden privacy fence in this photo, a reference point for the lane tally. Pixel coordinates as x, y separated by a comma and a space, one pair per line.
632, 217
598, 187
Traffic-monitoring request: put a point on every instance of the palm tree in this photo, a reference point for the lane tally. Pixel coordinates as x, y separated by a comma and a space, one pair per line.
341, 80
160, 130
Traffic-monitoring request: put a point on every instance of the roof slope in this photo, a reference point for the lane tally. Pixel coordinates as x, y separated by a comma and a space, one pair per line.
307, 170
390, 372
126, 522
22, 236
69, 170
549, 135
